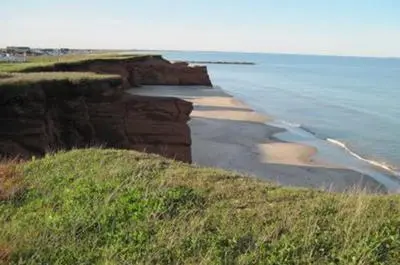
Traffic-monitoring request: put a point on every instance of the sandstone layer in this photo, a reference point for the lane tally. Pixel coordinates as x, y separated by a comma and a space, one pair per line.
42, 117
137, 71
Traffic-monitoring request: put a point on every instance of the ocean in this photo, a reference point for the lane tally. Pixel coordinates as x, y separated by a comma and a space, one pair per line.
347, 107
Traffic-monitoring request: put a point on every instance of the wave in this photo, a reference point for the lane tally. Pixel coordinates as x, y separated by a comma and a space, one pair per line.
299, 126
384, 166
291, 124
286, 124
372, 162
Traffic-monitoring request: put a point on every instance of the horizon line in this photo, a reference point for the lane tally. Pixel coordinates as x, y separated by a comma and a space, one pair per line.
272, 53
219, 51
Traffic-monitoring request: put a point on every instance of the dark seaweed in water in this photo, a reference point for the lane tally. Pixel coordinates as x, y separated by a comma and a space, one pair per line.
308, 130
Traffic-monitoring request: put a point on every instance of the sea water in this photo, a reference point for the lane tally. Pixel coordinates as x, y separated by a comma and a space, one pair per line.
341, 105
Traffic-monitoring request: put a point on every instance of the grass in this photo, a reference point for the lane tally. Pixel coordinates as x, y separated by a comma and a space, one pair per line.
99, 206
31, 78
35, 62
82, 57
15, 86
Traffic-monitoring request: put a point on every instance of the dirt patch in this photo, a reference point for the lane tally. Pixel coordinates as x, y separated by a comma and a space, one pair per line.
5, 254
10, 181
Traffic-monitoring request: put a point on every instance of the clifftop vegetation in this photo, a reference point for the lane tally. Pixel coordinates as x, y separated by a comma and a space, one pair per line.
49, 61
99, 206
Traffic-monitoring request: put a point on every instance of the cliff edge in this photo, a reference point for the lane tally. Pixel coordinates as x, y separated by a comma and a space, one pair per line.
45, 112
134, 70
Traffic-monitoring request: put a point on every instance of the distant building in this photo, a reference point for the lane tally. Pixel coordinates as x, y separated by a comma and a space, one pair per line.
64, 50
36, 52
16, 49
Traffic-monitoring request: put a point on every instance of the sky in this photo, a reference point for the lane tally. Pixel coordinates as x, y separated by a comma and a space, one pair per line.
332, 27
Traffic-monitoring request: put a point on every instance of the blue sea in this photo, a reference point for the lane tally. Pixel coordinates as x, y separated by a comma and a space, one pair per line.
347, 107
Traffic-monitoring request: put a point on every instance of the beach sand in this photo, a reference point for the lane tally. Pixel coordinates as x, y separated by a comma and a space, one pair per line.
227, 134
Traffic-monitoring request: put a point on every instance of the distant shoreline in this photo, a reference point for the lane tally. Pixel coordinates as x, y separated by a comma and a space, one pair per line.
228, 134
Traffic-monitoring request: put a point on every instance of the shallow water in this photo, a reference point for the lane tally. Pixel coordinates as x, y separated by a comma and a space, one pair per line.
351, 100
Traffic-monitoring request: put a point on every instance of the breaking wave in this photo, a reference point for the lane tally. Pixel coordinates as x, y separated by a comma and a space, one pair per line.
372, 162
342, 145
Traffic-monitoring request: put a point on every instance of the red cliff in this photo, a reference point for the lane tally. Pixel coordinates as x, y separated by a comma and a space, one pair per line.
137, 71
44, 116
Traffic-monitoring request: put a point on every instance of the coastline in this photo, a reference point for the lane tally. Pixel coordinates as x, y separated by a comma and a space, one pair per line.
228, 134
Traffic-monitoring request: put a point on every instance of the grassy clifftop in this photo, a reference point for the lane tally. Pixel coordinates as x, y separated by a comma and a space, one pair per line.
50, 61
16, 79
16, 86
98, 206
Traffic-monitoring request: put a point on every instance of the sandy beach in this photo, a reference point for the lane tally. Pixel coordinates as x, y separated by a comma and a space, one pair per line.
227, 134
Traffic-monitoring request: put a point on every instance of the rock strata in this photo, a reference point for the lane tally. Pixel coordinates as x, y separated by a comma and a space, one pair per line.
49, 116
137, 71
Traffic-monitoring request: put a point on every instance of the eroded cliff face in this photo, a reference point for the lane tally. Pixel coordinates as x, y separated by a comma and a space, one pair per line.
143, 70
49, 116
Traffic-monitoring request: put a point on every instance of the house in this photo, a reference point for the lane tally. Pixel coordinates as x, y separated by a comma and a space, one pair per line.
17, 49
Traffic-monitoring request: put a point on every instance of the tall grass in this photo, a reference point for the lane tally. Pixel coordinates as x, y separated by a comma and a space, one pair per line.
122, 207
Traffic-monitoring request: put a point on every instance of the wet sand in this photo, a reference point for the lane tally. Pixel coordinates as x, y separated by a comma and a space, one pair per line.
227, 134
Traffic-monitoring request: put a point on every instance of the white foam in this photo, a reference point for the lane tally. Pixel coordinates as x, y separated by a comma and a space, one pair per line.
291, 124
372, 162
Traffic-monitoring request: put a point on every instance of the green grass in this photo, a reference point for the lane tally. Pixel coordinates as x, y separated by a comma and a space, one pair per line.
98, 206
31, 78
15, 85
49, 61
17, 74
82, 57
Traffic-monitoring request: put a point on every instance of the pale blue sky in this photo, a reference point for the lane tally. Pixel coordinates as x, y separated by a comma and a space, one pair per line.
339, 27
